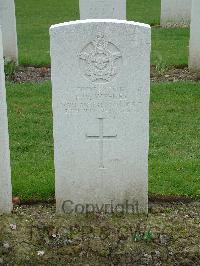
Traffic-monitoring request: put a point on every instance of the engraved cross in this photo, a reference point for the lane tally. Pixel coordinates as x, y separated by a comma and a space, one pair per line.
101, 138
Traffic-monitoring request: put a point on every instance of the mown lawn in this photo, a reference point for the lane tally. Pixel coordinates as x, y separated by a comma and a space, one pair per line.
34, 17
174, 160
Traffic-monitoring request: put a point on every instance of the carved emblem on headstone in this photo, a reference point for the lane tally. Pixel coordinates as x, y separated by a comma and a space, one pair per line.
100, 60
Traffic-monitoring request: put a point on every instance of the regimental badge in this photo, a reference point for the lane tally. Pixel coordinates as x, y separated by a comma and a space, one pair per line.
100, 60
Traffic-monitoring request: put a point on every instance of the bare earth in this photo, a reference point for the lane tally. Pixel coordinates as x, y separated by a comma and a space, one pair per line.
35, 235
168, 235
41, 74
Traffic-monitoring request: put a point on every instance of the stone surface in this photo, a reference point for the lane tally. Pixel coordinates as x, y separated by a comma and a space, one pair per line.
101, 87
8, 24
175, 13
102, 9
5, 172
194, 58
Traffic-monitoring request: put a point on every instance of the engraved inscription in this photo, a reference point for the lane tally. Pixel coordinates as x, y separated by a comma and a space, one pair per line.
101, 138
101, 100
100, 60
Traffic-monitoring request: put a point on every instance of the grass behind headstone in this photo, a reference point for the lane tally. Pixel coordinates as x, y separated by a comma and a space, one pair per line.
34, 17
174, 139
30, 127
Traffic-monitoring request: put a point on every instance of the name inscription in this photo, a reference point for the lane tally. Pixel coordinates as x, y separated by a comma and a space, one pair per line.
98, 99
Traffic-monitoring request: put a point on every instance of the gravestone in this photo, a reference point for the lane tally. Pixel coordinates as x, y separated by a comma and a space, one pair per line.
102, 9
5, 172
8, 25
101, 84
194, 58
175, 13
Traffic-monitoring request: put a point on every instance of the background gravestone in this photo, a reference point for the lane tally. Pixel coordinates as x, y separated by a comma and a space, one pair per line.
175, 13
5, 173
101, 84
8, 26
102, 9
194, 60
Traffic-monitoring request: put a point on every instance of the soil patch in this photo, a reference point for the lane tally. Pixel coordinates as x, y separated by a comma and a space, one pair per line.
40, 74
173, 75
30, 74
35, 235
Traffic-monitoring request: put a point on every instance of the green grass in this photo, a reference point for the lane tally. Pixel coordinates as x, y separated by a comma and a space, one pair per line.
174, 161
170, 47
31, 140
174, 141
146, 11
34, 17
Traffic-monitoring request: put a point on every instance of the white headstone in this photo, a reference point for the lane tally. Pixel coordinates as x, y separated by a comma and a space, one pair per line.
102, 9
175, 13
8, 25
5, 172
194, 59
101, 85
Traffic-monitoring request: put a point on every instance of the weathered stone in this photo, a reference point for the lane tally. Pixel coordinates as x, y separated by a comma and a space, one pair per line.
101, 84
102, 9
194, 59
5, 172
175, 13
8, 26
